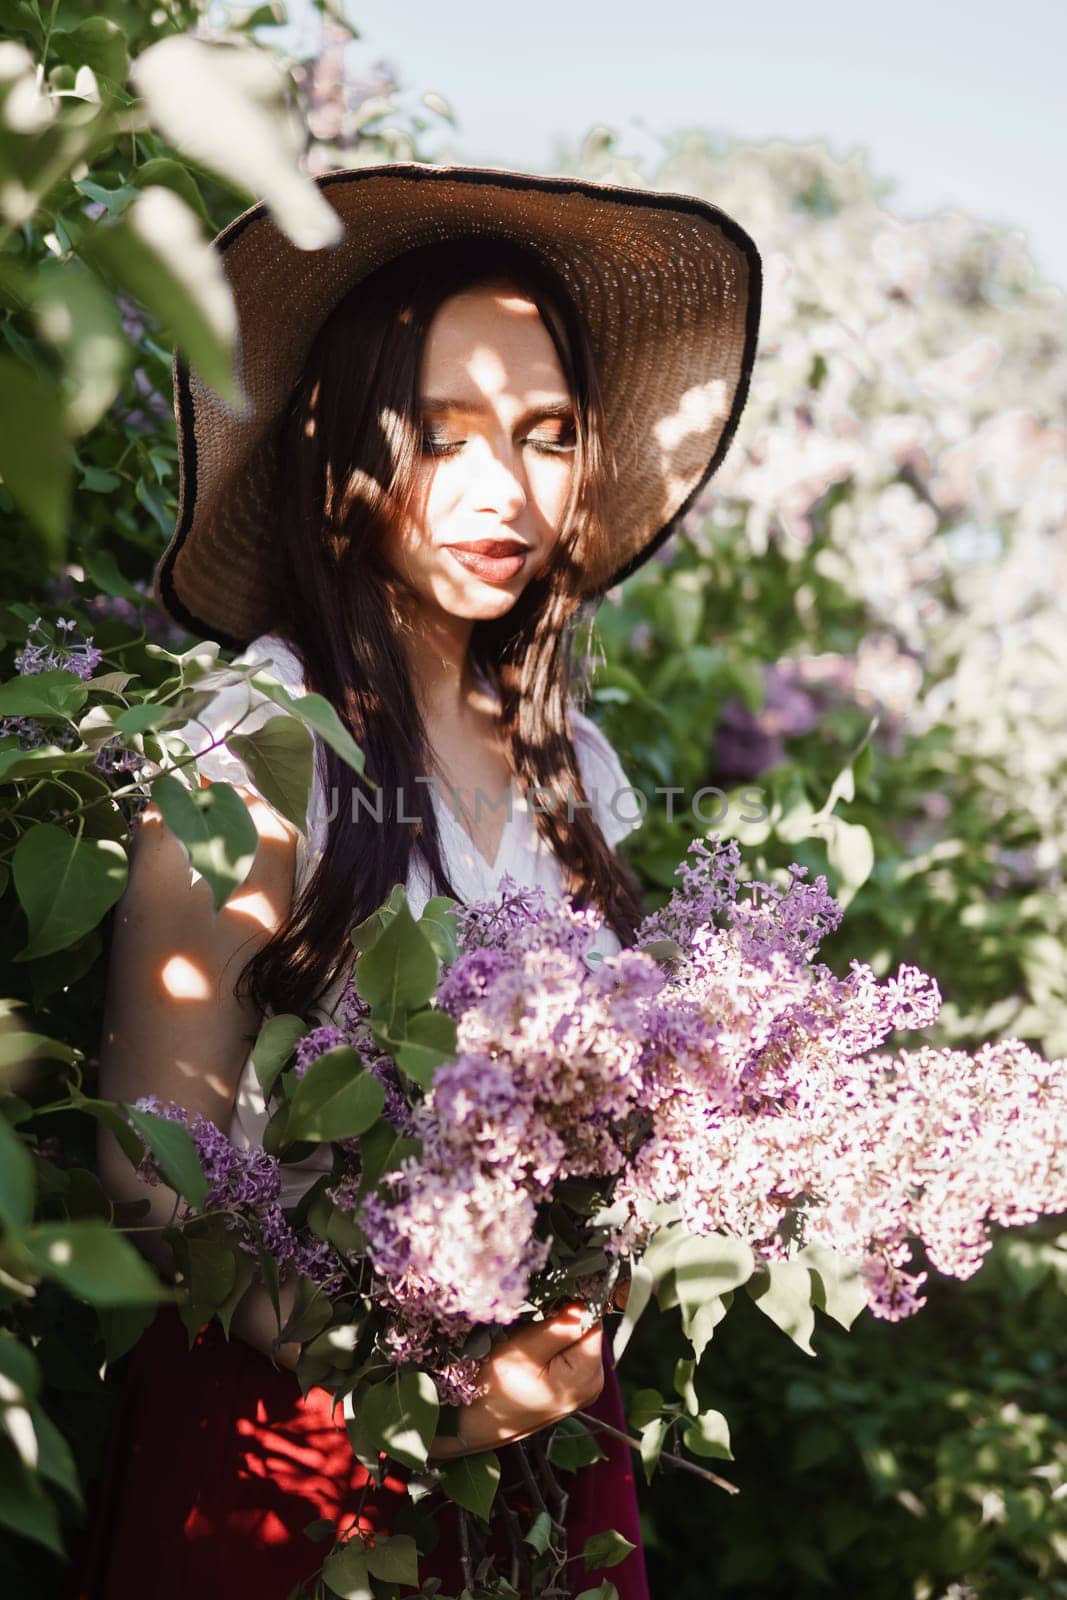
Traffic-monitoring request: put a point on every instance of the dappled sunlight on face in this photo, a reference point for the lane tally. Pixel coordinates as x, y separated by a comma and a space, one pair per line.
498, 452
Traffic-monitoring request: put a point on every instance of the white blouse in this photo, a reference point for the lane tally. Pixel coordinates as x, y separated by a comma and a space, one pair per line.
522, 851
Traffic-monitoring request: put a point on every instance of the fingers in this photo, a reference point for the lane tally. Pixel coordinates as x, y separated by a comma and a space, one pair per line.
543, 1341
579, 1369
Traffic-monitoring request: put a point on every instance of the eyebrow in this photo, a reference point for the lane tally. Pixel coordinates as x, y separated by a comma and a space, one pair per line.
467, 407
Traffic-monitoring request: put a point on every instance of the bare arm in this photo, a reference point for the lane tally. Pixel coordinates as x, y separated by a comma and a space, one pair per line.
172, 1024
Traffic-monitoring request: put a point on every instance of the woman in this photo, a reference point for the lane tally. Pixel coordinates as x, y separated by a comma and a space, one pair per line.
462, 424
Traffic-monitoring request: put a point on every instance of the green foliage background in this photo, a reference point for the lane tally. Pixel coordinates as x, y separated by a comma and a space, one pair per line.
905, 1458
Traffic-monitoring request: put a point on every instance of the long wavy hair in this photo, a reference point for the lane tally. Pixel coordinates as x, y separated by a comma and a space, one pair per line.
351, 443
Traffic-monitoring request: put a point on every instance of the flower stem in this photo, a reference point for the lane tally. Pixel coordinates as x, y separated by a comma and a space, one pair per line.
675, 1461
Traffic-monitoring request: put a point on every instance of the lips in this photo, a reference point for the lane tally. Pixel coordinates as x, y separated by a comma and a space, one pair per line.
492, 560
491, 547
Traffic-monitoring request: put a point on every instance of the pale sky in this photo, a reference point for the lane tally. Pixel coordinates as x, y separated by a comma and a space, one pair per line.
960, 106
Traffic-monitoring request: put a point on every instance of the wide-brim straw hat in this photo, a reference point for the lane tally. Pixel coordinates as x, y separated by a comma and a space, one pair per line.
669, 286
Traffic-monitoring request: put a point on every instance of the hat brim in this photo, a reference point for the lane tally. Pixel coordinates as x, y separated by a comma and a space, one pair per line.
670, 288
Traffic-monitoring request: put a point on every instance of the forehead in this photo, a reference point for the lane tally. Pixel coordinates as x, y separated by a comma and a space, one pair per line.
487, 340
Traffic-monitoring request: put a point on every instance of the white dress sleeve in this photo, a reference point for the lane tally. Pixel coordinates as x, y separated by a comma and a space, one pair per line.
241, 703
617, 805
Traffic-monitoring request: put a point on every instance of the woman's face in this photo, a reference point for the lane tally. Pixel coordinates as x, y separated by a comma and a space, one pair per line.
497, 458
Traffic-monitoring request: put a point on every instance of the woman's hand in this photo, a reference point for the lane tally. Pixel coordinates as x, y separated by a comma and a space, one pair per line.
531, 1378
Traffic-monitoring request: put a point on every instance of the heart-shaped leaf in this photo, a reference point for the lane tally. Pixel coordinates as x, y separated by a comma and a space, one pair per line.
64, 885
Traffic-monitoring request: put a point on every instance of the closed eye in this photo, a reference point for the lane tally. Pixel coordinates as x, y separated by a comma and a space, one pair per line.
432, 445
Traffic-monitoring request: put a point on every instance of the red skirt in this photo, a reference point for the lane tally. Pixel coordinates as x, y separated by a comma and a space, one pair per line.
218, 1464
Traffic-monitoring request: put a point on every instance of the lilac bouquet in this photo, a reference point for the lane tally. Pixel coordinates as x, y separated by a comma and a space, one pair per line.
514, 1119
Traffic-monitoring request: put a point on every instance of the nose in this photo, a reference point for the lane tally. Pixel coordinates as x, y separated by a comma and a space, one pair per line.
499, 486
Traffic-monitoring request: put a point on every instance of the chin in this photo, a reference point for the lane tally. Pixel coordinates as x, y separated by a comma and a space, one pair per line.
475, 600
483, 606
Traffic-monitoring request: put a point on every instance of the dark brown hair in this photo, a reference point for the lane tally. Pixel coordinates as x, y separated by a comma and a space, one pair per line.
350, 450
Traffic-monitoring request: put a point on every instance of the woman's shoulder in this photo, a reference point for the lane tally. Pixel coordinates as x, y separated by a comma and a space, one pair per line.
614, 799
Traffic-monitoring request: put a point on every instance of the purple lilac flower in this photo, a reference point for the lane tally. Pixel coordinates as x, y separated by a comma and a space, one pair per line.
247, 1184
39, 655
737, 1084
315, 1044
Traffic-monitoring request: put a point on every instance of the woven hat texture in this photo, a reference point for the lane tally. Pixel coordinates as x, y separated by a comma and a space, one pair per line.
669, 286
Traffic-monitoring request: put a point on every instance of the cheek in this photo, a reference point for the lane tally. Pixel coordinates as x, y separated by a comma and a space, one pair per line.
425, 512
550, 484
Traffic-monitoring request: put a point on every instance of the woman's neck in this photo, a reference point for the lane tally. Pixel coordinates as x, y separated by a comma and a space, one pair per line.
438, 656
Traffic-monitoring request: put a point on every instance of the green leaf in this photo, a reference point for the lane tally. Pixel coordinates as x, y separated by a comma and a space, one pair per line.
658, 1255
337, 1098
122, 1326
311, 1312
429, 1038
703, 1268
637, 1302
382, 1150
603, 1591
365, 934
709, 1435
106, 1112
573, 1446
137, 718
784, 1293
18, 1364
684, 1387
74, 313
172, 175
399, 1416
319, 1530
652, 1437
605, 1550
16, 1179
25, 1508
85, 1196
55, 693
42, 761
440, 925
838, 1282
36, 462
539, 1532
64, 885
279, 757
55, 1462
703, 1322
215, 827
209, 1269
472, 1481
345, 1571
244, 1272
228, 109
158, 253
94, 1262
850, 853
172, 1145
399, 971
98, 43
318, 711
646, 1404
339, 1228
273, 1047
394, 1560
